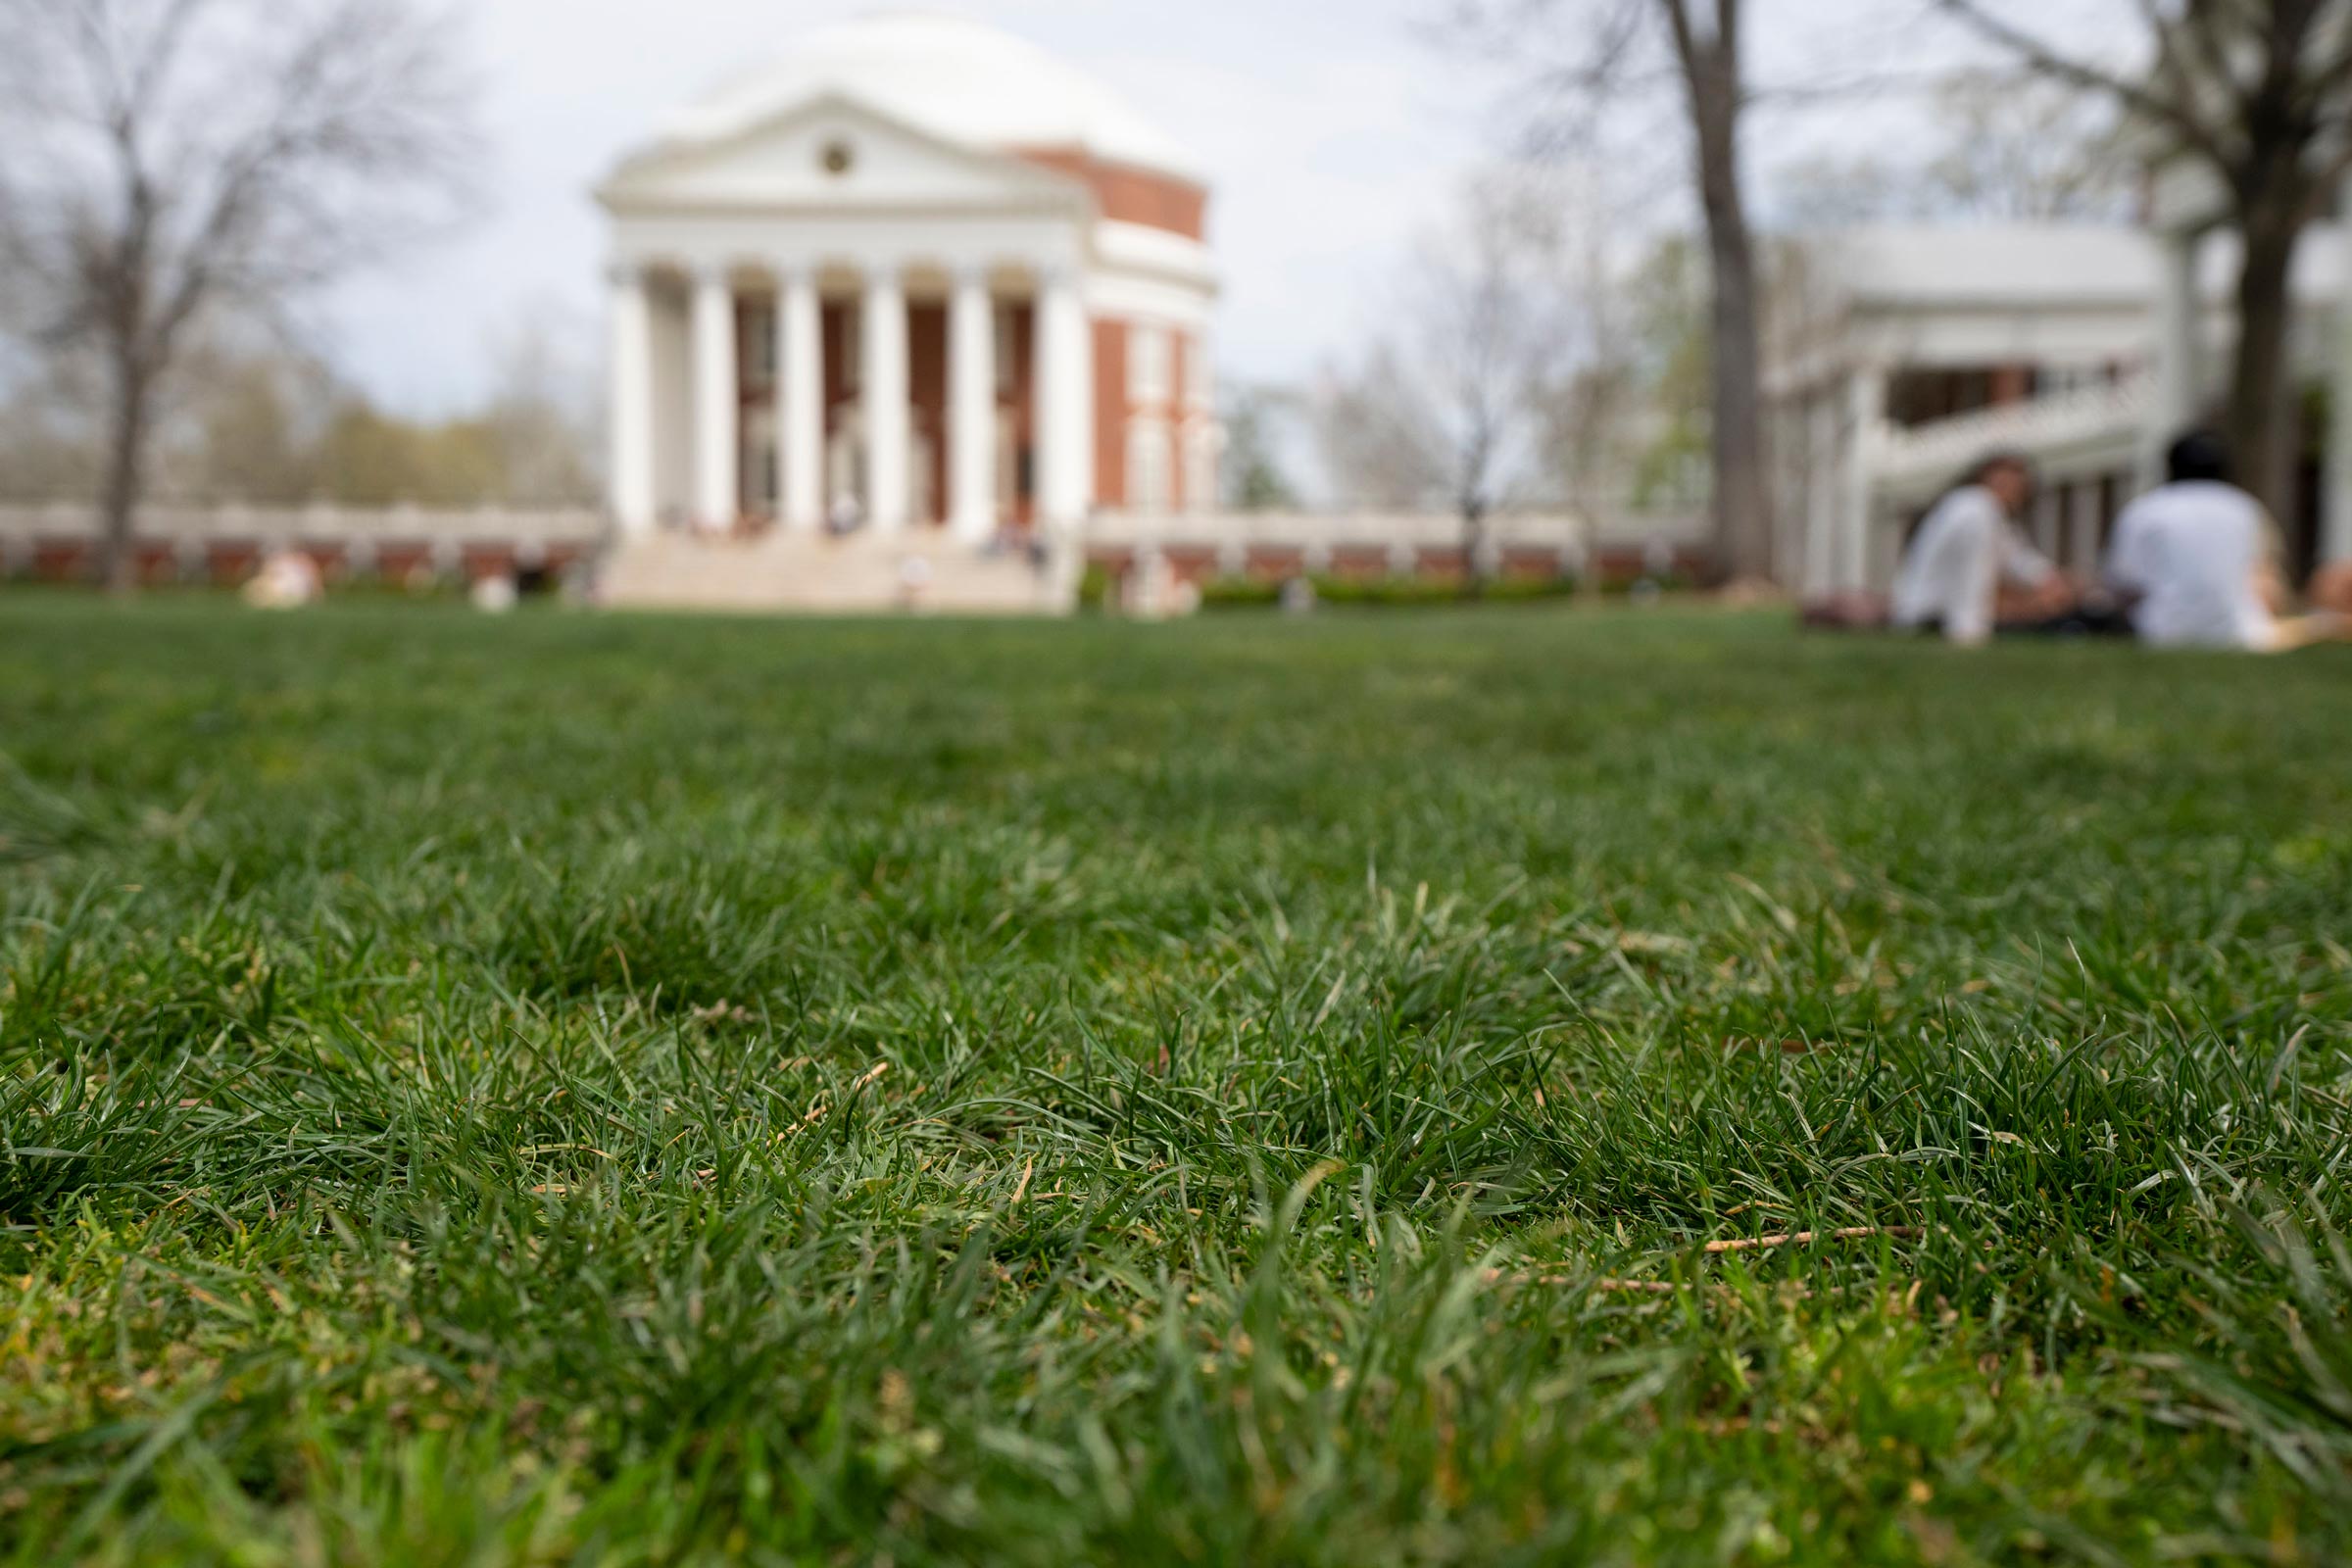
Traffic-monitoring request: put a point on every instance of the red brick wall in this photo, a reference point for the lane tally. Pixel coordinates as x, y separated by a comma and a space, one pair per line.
1111, 412
754, 319
232, 563
1115, 409
836, 375
1131, 195
1023, 349
927, 382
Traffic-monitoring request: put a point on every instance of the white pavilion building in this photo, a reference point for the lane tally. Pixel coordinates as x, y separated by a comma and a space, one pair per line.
1901, 355
919, 274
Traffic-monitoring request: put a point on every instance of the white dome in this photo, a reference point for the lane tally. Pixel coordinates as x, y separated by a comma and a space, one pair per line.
958, 79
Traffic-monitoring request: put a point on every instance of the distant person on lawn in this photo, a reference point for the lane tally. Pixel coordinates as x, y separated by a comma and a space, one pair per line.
2194, 561
1971, 570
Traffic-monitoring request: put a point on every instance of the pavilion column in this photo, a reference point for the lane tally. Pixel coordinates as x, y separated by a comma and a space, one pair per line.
1818, 572
1066, 398
889, 434
2049, 521
1866, 397
972, 408
2180, 374
800, 401
2082, 528
2336, 518
718, 403
633, 403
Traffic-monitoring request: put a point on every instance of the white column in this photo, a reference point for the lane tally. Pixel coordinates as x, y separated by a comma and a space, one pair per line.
801, 399
2049, 521
2179, 372
633, 403
1065, 396
972, 408
1866, 401
717, 491
2335, 519
1197, 419
1820, 570
887, 432
2082, 528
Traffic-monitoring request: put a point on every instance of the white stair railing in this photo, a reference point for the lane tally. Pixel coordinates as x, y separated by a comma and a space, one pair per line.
2097, 422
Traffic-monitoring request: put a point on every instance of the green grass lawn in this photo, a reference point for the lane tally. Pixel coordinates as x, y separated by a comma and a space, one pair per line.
604, 1090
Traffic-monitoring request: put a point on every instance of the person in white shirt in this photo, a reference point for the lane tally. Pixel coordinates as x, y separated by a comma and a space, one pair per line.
2193, 560
1968, 551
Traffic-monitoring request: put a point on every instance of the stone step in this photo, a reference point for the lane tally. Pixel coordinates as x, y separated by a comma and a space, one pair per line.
859, 574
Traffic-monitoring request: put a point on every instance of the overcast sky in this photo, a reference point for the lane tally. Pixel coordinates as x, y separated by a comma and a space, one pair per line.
1331, 127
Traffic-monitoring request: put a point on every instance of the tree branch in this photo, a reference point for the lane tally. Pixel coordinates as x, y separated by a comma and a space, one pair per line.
2180, 118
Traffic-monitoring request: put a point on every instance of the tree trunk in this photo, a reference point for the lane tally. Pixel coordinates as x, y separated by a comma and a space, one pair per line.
117, 565
1474, 549
1743, 505
2261, 422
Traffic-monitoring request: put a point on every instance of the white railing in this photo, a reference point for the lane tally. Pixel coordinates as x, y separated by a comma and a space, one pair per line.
1319, 536
1402, 539
317, 524
2095, 426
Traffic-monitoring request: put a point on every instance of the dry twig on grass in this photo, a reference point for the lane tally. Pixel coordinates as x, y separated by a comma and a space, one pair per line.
1852, 1233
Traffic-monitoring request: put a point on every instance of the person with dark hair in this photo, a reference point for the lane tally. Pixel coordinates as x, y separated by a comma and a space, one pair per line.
2194, 560
1969, 550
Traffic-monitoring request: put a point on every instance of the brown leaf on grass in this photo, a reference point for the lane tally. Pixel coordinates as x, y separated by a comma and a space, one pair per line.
1651, 941
1786, 1048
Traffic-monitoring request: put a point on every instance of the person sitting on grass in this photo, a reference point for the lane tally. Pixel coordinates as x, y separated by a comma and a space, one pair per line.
2332, 589
2194, 562
1970, 569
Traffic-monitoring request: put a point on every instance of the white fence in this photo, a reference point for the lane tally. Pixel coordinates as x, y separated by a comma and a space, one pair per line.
224, 542
313, 524
1403, 541
224, 539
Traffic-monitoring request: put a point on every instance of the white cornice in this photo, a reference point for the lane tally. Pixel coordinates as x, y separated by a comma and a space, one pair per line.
1137, 248
648, 179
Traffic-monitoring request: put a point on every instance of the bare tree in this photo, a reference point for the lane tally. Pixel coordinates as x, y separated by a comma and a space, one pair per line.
247, 426
166, 160
46, 452
1254, 416
1628, 424
2257, 94
544, 412
1591, 52
2001, 146
1378, 431
1450, 409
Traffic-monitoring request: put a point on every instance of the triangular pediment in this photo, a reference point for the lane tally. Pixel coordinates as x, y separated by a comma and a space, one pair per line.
833, 154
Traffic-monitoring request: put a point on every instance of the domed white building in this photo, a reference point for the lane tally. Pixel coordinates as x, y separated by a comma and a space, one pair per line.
917, 272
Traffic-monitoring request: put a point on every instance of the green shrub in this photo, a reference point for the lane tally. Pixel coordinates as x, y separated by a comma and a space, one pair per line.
1383, 593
